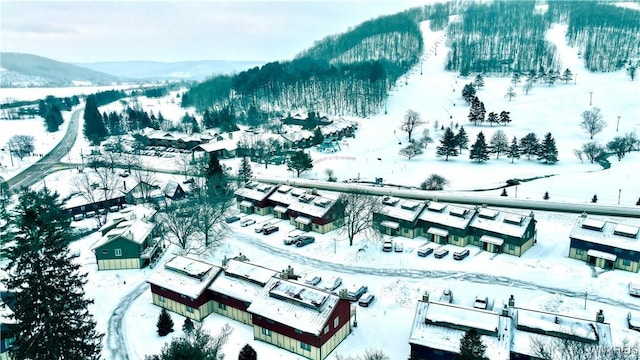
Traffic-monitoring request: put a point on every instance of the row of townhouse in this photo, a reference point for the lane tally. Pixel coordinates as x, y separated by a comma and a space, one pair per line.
296, 317
492, 230
509, 333
307, 210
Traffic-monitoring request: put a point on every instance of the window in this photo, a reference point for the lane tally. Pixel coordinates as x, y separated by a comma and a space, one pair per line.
305, 346
222, 306
579, 252
512, 247
336, 322
161, 298
298, 331
105, 251
266, 332
189, 309
626, 262
118, 252
326, 329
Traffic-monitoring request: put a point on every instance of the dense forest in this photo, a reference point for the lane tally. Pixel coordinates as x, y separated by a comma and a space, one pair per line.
352, 73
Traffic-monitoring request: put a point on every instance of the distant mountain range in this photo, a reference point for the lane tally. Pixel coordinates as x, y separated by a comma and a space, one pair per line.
27, 70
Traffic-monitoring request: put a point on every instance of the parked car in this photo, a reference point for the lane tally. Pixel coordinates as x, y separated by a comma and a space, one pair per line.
447, 296
333, 283
314, 280
460, 255
305, 240
355, 292
481, 303
634, 289
425, 250
290, 240
633, 322
247, 222
387, 246
78, 217
232, 219
270, 229
261, 228
366, 299
440, 253
398, 247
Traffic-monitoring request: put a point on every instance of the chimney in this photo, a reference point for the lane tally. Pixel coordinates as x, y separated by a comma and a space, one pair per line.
314, 191
505, 311
600, 317
343, 294
512, 301
425, 296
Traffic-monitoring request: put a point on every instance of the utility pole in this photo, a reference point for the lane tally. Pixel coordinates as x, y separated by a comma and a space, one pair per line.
618, 123
335, 243
619, 193
590, 97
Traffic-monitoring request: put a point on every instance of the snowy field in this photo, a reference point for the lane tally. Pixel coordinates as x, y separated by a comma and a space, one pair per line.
543, 278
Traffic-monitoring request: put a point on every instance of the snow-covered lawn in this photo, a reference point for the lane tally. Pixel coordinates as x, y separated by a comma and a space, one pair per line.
543, 278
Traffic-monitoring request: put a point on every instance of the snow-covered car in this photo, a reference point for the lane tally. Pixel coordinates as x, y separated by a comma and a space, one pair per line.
634, 289
313, 280
355, 292
366, 300
261, 228
247, 222
387, 246
447, 296
232, 219
290, 240
305, 240
440, 253
333, 283
425, 250
398, 247
633, 322
481, 303
460, 255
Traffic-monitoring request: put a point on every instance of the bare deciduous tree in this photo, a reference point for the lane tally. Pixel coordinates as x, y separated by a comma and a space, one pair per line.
180, 220
410, 122
593, 151
434, 182
21, 145
369, 354
210, 206
96, 187
412, 150
560, 348
356, 214
592, 122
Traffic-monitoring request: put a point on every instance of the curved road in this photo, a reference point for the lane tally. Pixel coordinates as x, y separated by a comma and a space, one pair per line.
116, 342
47, 163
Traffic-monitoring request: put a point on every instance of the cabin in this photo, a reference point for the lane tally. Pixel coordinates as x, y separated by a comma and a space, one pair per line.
605, 244
312, 211
173, 190
498, 231
253, 198
181, 286
222, 148
299, 318
397, 217
129, 241
446, 224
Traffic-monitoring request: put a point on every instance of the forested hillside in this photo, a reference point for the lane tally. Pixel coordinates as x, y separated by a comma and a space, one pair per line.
351, 73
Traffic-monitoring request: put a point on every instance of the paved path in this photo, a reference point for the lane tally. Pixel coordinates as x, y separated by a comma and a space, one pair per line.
116, 339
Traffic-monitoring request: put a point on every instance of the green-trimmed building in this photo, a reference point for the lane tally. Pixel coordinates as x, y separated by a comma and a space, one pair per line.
398, 217
501, 232
446, 224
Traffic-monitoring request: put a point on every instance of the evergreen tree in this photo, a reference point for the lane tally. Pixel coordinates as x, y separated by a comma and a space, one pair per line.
474, 111
492, 118
448, 146
479, 151
461, 139
515, 78
471, 346
479, 81
94, 129
187, 326
529, 145
510, 93
504, 118
165, 323
546, 195
53, 119
300, 162
244, 172
514, 150
52, 320
567, 76
548, 150
318, 137
594, 199
468, 93
499, 143
247, 353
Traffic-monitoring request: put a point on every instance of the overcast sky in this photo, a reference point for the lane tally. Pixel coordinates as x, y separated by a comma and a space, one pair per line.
266, 30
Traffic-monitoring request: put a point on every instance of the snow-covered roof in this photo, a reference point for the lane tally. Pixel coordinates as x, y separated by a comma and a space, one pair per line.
170, 188
441, 326
606, 233
136, 230
185, 275
336, 126
542, 326
313, 205
6, 314
500, 222
255, 191
299, 135
283, 195
448, 215
216, 145
242, 280
298, 306
402, 209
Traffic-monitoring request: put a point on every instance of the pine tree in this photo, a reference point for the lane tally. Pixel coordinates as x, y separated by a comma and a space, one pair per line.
529, 145
300, 162
318, 137
52, 320
448, 146
214, 173
468, 93
187, 326
244, 172
471, 346
514, 150
504, 118
479, 81
499, 143
548, 150
461, 139
479, 151
165, 323
546, 195
94, 129
247, 353
594, 199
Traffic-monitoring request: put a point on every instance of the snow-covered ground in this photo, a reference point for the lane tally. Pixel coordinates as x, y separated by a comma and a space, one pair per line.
543, 278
